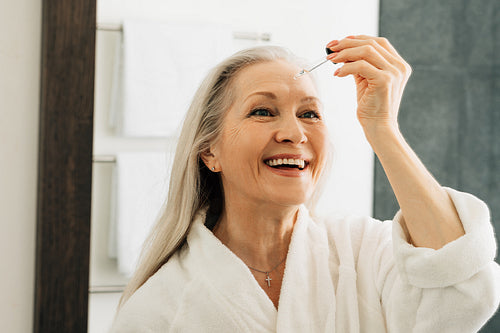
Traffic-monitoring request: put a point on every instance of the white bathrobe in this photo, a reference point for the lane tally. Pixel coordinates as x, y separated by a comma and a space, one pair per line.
342, 275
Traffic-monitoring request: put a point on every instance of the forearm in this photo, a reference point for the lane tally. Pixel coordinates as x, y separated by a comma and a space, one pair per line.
380, 75
429, 214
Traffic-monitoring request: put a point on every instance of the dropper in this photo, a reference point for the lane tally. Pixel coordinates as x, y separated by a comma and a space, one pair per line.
315, 64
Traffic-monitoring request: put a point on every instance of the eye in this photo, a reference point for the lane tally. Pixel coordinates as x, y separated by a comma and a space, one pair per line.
310, 115
261, 112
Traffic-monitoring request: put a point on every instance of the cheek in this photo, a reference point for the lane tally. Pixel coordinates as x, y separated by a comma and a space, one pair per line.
321, 147
240, 144
231, 138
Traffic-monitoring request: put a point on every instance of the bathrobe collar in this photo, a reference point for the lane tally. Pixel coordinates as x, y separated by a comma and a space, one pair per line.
307, 299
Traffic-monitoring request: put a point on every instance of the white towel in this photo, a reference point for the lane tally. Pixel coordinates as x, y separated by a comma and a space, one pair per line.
141, 185
163, 65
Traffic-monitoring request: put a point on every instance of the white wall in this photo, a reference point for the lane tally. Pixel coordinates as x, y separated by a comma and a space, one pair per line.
20, 36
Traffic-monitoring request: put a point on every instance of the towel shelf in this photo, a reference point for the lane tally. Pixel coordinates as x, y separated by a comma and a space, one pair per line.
265, 37
104, 159
106, 289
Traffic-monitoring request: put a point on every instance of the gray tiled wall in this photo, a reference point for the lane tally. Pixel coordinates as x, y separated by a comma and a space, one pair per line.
450, 112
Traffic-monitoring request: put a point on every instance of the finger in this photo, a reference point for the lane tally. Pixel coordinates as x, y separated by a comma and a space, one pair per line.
353, 42
364, 52
386, 45
362, 68
382, 41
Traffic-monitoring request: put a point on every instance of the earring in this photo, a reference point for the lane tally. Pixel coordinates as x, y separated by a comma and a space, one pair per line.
213, 168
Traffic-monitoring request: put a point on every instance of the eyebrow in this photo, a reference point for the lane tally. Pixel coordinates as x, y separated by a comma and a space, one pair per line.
273, 96
263, 93
311, 99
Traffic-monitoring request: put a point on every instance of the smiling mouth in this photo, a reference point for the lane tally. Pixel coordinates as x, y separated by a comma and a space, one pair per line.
287, 163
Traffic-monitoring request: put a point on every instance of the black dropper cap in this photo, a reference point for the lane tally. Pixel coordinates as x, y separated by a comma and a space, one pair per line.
328, 51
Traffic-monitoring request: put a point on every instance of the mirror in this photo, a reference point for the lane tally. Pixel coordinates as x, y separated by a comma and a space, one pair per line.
64, 196
124, 142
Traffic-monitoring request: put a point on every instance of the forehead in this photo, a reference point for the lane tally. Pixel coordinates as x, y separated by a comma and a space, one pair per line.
273, 76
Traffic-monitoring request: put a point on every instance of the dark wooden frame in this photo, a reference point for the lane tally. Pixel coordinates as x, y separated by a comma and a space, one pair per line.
65, 166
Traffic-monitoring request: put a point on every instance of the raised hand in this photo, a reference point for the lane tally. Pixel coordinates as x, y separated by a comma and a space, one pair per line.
380, 75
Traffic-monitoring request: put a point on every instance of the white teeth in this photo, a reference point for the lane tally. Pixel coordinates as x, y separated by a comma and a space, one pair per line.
299, 162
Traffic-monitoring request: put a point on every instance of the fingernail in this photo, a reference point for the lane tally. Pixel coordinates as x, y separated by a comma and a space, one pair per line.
337, 72
332, 43
351, 37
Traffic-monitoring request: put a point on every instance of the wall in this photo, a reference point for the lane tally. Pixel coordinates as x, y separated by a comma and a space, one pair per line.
20, 38
450, 111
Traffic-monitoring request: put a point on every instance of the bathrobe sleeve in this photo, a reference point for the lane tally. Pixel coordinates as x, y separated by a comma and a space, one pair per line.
453, 289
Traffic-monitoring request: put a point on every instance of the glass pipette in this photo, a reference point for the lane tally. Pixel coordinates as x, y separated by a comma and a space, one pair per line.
315, 64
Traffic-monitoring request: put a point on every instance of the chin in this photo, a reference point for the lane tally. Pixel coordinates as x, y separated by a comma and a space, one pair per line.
286, 196
288, 200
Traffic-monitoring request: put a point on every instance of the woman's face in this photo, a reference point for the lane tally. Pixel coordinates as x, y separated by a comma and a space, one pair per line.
273, 145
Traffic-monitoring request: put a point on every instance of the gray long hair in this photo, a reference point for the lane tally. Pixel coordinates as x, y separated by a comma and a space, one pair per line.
192, 186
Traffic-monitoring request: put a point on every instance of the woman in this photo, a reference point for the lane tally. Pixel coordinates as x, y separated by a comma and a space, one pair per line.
236, 249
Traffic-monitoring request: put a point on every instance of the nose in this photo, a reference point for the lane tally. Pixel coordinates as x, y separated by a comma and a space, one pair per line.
290, 130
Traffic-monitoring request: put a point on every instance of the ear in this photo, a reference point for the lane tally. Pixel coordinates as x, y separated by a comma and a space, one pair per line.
208, 157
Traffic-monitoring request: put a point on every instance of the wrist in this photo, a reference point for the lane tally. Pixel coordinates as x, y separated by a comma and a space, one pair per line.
382, 134
388, 143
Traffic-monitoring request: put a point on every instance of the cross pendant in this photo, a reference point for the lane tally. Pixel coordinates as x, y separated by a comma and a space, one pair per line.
268, 280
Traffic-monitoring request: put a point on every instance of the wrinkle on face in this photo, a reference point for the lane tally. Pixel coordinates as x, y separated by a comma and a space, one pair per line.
245, 139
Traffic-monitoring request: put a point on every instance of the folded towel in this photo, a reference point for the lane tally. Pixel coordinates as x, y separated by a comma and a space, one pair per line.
141, 184
163, 65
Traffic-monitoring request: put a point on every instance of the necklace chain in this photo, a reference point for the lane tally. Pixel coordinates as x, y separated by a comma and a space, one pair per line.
268, 279
272, 269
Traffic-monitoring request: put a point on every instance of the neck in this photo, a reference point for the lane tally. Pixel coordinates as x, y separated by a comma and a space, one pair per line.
258, 234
